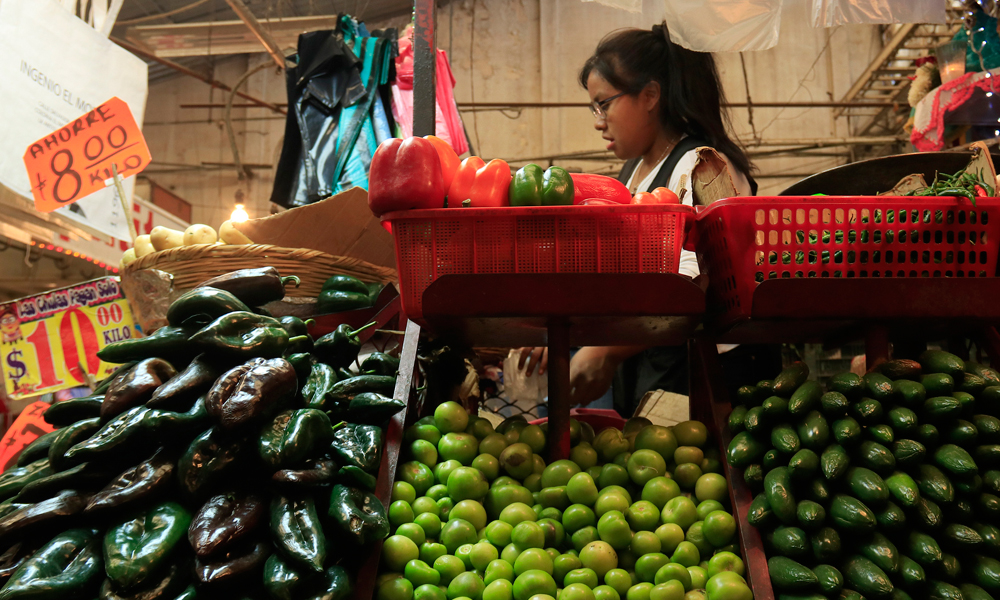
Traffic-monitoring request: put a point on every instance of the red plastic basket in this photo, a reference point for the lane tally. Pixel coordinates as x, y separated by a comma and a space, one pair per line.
561, 239
743, 241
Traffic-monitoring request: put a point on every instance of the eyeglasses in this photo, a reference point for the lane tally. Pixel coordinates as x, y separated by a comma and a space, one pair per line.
597, 107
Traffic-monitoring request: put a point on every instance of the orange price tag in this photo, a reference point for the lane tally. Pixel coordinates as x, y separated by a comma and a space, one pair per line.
76, 160
28, 427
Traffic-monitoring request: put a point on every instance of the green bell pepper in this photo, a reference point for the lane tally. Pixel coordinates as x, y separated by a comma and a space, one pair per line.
340, 347
66, 567
335, 301
67, 412
201, 306
37, 449
345, 283
243, 335
297, 533
532, 187
358, 514
315, 391
136, 547
168, 343
12, 481
336, 585
68, 437
358, 445
281, 580
293, 436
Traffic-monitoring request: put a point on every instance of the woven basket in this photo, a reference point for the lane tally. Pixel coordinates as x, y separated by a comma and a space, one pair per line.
188, 266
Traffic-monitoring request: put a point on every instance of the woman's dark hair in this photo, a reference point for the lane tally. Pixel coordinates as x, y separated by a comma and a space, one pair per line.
691, 95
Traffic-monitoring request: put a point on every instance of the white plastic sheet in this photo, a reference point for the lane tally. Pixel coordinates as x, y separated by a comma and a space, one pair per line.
629, 5
724, 25
829, 13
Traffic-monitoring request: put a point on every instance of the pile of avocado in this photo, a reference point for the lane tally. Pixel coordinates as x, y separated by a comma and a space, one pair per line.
886, 486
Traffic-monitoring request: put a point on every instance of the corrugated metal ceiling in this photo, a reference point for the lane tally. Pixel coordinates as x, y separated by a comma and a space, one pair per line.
135, 12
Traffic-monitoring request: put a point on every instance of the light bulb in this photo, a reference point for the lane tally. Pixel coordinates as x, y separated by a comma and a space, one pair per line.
239, 215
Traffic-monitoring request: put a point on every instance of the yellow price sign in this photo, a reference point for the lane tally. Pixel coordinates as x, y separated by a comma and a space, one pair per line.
50, 341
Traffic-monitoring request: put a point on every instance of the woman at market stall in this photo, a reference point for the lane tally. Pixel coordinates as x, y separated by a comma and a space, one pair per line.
655, 103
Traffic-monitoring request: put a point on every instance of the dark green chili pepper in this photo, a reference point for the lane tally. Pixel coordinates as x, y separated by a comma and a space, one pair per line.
114, 435
281, 580
12, 559
202, 305
380, 363
13, 480
355, 477
340, 347
140, 483
165, 584
225, 519
137, 546
293, 436
360, 384
54, 511
251, 391
358, 514
297, 533
336, 585
316, 390
69, 437
254, 287
107, 381
337, 301
302, 363
187, 386
345, 283
87, 476
295, 326
65, 567
209, 459
953, 191
238, 563
371, 408
358, 445
168, 343
136, 387
67, 412
313, 473
167, 422
37, 449
242, 336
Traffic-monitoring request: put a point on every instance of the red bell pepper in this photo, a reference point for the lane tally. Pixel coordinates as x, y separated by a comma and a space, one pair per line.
660, 195
405, 174
589, 185
449, 160
482, 184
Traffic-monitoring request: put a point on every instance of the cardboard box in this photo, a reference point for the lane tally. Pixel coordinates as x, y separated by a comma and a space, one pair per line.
341, 225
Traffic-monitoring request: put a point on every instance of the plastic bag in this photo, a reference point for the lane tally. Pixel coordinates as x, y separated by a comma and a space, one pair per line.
828, 13
724, 25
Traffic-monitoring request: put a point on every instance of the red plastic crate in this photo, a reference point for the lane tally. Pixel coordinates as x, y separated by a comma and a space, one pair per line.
743, 241
557, 239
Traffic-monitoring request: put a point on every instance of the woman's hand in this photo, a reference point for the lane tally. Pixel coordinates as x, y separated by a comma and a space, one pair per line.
533, 357
591, 372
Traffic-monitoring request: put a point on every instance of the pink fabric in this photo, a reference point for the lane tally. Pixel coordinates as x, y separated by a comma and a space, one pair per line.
448, 124
928, 119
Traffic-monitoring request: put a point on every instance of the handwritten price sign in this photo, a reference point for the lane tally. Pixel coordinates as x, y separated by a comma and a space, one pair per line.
48, 341
76, 160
